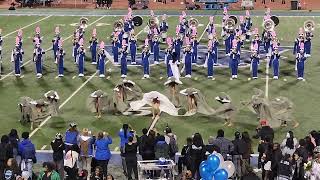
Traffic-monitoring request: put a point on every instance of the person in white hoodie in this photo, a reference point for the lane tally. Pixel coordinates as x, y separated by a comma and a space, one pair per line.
70, 163
314, 173
86, 143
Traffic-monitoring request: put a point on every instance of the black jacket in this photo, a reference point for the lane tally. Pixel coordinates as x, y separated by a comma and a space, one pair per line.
266, 131
212, 147
57, 147
130, 150
240, 147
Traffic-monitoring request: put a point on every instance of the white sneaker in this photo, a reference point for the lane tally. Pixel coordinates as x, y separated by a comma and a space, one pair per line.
93, 62
236, 76
210, 77
254, 77
133, 62
123, 76
188, 76
81, 75
102, 75
60, 75
275, 77
18, 75
156, 62
146, 76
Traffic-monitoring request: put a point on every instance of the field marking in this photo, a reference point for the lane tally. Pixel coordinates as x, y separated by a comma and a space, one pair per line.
27, 26
24, 64
43, 147
204, 31
267, 74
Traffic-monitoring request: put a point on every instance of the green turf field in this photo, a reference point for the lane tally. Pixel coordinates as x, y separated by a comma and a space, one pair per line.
305, 95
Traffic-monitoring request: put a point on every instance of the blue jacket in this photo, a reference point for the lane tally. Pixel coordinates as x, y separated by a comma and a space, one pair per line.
26, 149
71, 137
102, 148
124, 140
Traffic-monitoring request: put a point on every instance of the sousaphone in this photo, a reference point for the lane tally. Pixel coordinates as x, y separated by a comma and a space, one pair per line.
270, 24
309, 25
118, 25
192, 22
83, 23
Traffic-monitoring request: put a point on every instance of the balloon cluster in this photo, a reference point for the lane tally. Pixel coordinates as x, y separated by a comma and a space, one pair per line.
215, 168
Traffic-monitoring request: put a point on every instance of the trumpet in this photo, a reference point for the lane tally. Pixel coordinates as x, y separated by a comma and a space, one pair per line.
83, 23
309, 25
118, 25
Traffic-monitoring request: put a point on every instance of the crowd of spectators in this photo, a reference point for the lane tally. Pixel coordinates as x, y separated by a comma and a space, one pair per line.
85, 155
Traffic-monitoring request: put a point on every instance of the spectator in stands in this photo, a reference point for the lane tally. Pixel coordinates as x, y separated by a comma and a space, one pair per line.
12, 170
70, 162
315, 137
225, 145
58, 147
265, 152
14, 140
161, 148
124, 135
83, 175
263, 1
103, 153
142, 141
187, 175
27, 151
298, 167
275, 159
71, 137
98, 174
6, 152
250, 175
310, 145
197, 154
148, 151
289, 145
265, 131
285, 168
184, 159
108, 3
210, 148
302, 151
130, 152
110, 177
237, 153
283, 2
314, 174
86, 143
48, 173
248, 150
171, 140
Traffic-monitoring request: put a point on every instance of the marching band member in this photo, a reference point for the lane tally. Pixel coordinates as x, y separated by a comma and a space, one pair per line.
274, 61
254, 61
234, 60
210, 59
300, 60
239, 41
81, 32
130, 21
300, 39
256, 40
81, 54
178, 44
1, 41
194, 44
224, 19
156, 47
55, 42
16, 57
211, 28
164, 28
242, 26
169, 54
188, 58
20, 32
183, 26
133, 47
93, 46
38, 58
126, 28
248, 25
214, 46
307, 44
123, 59
228, 38
60, 58
115, 47
145, 59
75, 46
102, 60
37, 36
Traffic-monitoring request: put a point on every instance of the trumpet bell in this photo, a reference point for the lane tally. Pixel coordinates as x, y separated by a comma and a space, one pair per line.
193, 22
83, 22
137, 21
275, 19
230, 24
153, 22
309, 26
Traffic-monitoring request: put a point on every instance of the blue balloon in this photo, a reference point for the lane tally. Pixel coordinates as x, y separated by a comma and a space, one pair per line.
221, 174
205, 172
213, 161
203, 163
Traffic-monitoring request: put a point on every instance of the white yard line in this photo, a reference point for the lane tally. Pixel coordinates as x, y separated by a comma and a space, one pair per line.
7, 75
204, 31
43, 147
267, 75
26, 26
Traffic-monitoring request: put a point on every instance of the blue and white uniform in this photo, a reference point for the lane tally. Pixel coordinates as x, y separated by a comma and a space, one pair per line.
133, 49
275, 63
16, 57
233, 63
300, 60
115, 49
254, 64
102, 55
123, 59
81, 54
38, 59
60, 61
93, 49
145, 62
188, 61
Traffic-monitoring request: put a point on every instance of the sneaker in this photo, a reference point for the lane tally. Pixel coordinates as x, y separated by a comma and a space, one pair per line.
102, 75
275, 77
188, 76
133, 63
93, 62
156, 62
81, 75
210, 77
236, 76
60, 75
254, 77
123, 76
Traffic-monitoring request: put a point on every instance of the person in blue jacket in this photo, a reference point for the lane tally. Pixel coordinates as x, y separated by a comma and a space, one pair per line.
234, 60
93, 46
133, 47
254, 61
27, 151
71, 137
164, 28
188, 59
75, 47
16, 58
210, 59
55, 43
123, 59
177, 43
248, 25
60, 59
115, 47
145, 60
300, 60
103, 153
215, 44
38, 53
124, 134
102, 55
156, 47
274, 62
81, 58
